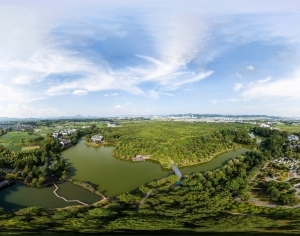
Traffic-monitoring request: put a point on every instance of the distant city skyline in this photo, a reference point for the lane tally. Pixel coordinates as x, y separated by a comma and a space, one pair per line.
115, 58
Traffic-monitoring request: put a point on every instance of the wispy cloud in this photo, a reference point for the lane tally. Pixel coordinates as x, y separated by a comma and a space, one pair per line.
21, 110
238, 75
150, 54
237, 87
288, 87
111, 94
80, 92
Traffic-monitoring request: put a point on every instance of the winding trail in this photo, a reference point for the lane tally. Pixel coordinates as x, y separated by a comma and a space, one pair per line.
103, 197
145, 197
66, 199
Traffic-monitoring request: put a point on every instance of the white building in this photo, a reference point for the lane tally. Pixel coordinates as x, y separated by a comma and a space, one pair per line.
97, 138
263, 125
293, 138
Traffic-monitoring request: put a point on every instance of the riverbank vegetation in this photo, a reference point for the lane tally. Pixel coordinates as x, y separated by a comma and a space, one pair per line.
87, 186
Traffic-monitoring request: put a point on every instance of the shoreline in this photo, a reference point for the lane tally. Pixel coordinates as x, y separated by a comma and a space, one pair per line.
181, 166
92, 144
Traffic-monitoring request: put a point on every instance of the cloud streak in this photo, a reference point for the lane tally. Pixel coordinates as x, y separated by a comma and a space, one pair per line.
151, 54
288, 87
47, 61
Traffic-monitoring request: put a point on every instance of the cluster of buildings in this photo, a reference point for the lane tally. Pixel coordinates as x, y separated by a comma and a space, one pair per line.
113, 124
221, 119
295, 143
287, 161
64, 132
62, 136
65, 143
12, 126
293, 138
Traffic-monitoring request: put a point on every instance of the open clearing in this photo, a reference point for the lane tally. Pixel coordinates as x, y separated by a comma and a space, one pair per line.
15, 140
29, 148
288, 127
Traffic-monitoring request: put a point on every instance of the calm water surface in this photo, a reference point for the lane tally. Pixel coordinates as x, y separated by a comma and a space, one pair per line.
19, 196
113, 176
97, 166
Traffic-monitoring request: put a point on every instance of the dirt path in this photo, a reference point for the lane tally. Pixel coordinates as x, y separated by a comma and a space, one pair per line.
66, 199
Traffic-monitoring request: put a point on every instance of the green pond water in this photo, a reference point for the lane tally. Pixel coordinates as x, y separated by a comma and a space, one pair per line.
19, 196
97, 166
258, 138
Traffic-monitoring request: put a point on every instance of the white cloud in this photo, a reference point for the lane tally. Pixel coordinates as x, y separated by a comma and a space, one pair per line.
153, 94
118, 107
79, 92
262, 81
35, 54
237, 87
284, 87
21, 110
215, 101
167, 94
238, 75
128, 103
111, 94
233, 100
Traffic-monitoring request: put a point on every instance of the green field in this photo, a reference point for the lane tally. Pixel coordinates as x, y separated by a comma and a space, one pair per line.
13, 140
288, 127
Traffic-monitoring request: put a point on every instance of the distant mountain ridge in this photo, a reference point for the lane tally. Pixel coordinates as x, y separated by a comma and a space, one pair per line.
47, 118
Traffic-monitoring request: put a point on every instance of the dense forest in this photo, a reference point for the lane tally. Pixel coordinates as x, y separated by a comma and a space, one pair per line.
35, 167
184, 143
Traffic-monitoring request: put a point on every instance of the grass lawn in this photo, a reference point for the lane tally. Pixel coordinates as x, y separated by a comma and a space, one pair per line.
288, 127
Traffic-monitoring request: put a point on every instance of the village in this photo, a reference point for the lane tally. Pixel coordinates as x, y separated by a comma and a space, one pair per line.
278, 181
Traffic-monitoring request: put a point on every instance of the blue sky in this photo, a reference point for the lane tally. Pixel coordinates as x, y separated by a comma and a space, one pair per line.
137, 57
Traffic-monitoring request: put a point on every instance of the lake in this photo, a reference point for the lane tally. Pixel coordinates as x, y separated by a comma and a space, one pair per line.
110, 175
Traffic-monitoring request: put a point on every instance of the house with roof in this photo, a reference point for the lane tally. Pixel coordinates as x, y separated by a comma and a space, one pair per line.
66, 143
97, 138
293, 138
113, 124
